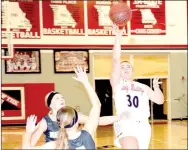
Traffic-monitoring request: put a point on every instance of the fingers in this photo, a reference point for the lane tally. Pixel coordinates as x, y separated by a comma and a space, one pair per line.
116, 27
81, 74
35, 119
155, 79
32, 119
36, 127
78, 69
156, 82
31, 124
75, 78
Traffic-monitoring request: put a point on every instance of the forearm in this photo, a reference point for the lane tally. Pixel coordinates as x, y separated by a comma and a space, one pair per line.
158, 96
115, 62
116, 50
106, 120
26, 140
92, 94
34, 138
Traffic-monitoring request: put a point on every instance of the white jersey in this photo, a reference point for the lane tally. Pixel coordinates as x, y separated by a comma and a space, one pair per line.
133, 99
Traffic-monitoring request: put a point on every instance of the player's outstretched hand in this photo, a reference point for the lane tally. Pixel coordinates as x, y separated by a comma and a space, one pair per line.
31, 124
81, 74
115, 30
156, 82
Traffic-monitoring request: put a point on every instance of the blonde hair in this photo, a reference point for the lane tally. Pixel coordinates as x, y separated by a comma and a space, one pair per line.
64, 117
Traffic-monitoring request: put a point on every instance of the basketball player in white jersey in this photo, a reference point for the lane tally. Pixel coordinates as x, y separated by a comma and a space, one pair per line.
131, 97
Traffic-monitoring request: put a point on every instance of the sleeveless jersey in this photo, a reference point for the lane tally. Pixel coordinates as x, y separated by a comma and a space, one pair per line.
51, 134
133, 99
84, 141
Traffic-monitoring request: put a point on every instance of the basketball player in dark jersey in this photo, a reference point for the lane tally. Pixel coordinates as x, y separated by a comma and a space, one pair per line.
67, 118
48, 125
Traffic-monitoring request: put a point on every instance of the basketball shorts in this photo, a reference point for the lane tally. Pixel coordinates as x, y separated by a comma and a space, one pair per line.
136, 128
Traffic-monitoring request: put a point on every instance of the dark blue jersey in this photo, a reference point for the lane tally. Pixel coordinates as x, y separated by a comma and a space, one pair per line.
51, 134
84, 141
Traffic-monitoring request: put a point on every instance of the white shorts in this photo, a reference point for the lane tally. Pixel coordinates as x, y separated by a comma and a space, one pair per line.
139, 129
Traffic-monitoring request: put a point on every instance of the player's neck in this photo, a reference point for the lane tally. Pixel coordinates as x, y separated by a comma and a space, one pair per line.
73, 133
53, 114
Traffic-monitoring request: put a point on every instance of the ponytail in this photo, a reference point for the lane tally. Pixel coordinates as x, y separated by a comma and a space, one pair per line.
62, 140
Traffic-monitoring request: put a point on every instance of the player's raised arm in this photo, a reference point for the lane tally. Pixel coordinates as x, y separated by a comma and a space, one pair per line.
38, 133
30, 129
115, 74
155, 95
93, 119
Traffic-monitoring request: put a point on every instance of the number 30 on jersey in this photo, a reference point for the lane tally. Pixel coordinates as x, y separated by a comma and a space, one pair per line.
133, 101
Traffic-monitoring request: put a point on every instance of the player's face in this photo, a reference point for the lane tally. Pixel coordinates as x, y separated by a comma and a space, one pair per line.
58, 101
126, 71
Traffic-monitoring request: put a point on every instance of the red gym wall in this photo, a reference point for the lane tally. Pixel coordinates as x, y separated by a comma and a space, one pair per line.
34, 94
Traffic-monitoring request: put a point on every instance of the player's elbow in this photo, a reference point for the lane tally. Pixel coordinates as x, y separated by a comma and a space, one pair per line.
99, 105
160, 101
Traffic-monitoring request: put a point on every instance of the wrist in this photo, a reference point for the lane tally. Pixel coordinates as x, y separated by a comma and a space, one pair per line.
117, 40
85, 83
155, 87
28, 132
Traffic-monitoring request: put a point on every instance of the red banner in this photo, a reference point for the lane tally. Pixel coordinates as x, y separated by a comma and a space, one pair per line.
63, 17
10, 100
148, 17
11, 113
12, 103
99, 23
21, 17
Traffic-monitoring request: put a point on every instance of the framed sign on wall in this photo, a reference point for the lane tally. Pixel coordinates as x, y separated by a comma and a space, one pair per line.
13, 103
24, 61
66, 60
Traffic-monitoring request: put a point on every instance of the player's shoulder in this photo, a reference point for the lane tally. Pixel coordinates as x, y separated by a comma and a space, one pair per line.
43, 122
139, 84
85, 133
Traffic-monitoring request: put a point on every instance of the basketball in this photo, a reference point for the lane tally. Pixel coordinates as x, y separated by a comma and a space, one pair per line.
120, 14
